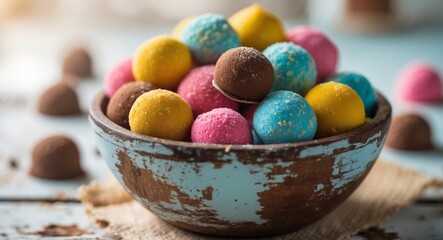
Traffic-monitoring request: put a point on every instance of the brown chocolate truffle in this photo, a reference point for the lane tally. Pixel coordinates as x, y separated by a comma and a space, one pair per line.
123, 99
410, 132
59, 100
56, 157
244, 74
78, 62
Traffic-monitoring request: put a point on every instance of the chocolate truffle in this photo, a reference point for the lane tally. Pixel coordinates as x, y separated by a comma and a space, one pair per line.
78, 62
56, 157
244, 74
410, 132
59, 100
122, 101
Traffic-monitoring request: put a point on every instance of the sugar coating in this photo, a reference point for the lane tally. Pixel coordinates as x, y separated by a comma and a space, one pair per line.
284, 117
420, 82
320, 47
257, 27
197, 89
161, 113
119, 74
208, 36
361, 85
294, 68
338, 108
162, 61
221, 126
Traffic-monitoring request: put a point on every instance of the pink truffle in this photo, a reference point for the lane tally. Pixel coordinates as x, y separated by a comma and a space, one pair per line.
197, 89
120, 74
319, 46
221, 126
419, 82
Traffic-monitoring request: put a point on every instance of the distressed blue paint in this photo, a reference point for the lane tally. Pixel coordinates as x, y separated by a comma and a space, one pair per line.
154, 148
319, 187
323, 150
326, 150
232, 181
351, 165
234, 197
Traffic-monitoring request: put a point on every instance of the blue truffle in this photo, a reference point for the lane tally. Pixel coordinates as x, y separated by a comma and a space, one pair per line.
284, 117
294, 68
361, 85
208, 36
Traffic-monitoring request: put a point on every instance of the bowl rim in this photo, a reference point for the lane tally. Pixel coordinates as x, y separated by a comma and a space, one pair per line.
96, 113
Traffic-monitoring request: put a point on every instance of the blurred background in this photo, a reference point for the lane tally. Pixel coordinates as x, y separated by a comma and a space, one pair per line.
35, 35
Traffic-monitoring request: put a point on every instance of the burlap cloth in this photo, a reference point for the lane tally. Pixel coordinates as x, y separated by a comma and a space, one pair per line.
387, 188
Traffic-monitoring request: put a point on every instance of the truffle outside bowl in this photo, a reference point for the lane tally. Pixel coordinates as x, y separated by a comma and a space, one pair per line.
243, 190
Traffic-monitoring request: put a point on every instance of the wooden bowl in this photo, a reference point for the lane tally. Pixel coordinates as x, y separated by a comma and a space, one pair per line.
240, 190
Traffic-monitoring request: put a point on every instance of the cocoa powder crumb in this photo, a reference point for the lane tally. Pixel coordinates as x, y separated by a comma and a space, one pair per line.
13, 163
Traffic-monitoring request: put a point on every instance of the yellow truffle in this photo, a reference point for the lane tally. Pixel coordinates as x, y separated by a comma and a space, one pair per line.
178, 29
161, 113
162, 61
257, 27
338, 108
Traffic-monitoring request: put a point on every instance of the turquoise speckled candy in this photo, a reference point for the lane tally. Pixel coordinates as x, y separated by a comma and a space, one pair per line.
208, 36
361, 85
284, 117
294, 68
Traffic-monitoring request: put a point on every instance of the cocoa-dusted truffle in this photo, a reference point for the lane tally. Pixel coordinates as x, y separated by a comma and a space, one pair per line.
122, 101
410, 132
56, 157
59, 100
244, 74
78, 62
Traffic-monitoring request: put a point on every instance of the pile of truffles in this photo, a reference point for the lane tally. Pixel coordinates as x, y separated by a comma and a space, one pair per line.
238, 80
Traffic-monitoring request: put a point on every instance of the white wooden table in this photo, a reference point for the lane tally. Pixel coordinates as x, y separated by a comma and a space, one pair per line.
30, 54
